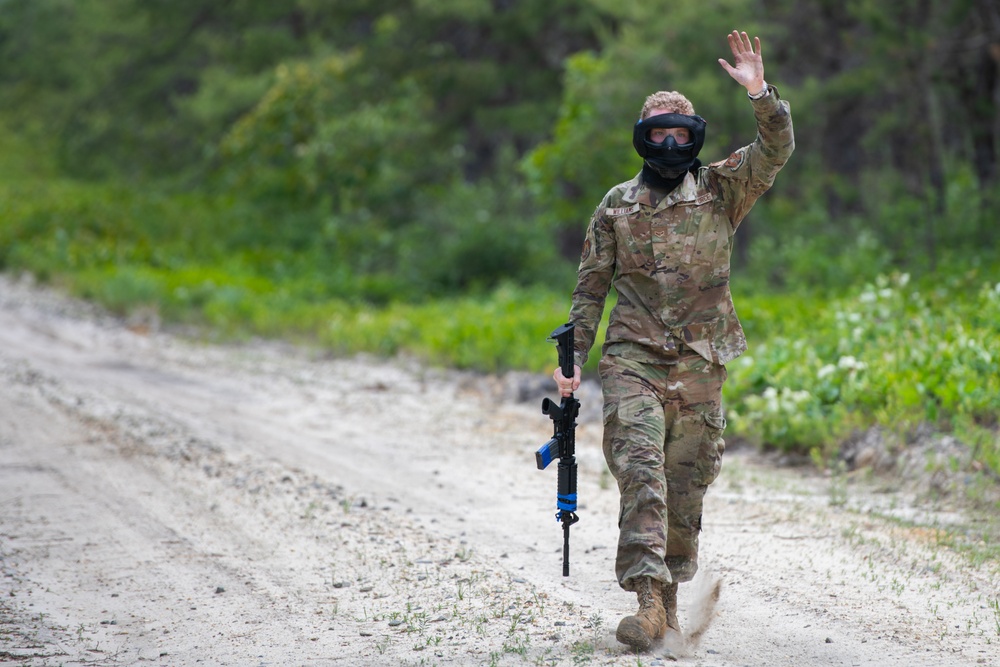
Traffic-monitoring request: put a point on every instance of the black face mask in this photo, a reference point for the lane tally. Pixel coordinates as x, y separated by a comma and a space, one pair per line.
668, 161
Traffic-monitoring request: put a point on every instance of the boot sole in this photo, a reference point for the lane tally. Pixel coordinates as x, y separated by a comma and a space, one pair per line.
632, 634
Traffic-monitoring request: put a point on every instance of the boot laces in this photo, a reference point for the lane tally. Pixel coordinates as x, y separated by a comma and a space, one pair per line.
646, 596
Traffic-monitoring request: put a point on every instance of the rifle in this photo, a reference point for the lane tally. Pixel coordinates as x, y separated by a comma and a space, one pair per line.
562, 445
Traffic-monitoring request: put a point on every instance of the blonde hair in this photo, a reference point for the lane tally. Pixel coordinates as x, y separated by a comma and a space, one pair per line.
670, 100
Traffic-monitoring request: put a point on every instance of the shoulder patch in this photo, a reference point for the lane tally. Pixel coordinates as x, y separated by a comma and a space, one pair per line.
733, 162
627, 210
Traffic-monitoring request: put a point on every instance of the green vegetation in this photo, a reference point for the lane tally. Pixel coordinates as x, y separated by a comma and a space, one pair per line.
414, 178
890, 352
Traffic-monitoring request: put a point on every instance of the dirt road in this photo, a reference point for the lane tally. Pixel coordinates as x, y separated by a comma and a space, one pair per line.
175, 503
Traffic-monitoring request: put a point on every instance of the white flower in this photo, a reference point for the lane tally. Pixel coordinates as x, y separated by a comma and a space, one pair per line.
829, 369
771, 400
851, 364
799, 397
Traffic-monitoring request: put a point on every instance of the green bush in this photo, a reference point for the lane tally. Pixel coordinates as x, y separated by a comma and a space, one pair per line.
891, 353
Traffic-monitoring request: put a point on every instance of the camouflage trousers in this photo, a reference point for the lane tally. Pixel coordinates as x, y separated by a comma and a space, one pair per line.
663, 443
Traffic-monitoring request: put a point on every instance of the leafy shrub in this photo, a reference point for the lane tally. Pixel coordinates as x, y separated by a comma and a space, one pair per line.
893, 351
890, 353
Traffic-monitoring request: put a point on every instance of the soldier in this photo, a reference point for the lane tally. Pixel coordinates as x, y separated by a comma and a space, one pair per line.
664, 240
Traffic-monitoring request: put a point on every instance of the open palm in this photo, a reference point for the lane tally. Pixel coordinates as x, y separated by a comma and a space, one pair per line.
748, 67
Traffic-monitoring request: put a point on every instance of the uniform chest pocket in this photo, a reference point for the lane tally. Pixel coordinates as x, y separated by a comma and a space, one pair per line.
706, 237
633, 237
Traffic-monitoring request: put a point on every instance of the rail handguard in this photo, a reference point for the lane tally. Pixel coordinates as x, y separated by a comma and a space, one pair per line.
562, 445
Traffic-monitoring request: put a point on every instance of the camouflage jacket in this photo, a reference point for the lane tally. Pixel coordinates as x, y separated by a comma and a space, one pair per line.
668, 257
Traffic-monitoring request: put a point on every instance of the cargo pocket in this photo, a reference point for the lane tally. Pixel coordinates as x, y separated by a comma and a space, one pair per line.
712, 447
610, 410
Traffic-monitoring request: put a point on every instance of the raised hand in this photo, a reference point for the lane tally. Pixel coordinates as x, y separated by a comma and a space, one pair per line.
748, 69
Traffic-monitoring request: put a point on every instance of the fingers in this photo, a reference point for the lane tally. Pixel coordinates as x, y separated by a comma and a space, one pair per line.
748, 66
567, 385
740, 44
563, 383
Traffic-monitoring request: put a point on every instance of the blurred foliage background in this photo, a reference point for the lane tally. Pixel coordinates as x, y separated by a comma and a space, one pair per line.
416, 176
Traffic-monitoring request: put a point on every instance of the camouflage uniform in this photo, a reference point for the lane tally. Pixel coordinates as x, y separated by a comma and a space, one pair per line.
669, 337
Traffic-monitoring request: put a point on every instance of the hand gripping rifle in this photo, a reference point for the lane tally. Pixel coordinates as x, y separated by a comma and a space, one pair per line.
563, 442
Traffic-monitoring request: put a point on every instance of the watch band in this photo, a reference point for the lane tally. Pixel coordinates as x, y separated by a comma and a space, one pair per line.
763, 93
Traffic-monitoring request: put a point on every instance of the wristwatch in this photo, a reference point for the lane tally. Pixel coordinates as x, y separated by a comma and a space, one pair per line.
761, 94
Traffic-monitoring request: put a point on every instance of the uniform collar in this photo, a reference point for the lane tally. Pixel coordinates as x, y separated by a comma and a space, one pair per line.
637, 192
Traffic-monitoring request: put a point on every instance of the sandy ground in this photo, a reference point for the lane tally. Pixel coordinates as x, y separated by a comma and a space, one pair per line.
175, 503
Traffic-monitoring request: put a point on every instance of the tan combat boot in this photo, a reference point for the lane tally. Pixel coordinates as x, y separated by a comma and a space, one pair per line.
649, 623
669, 593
